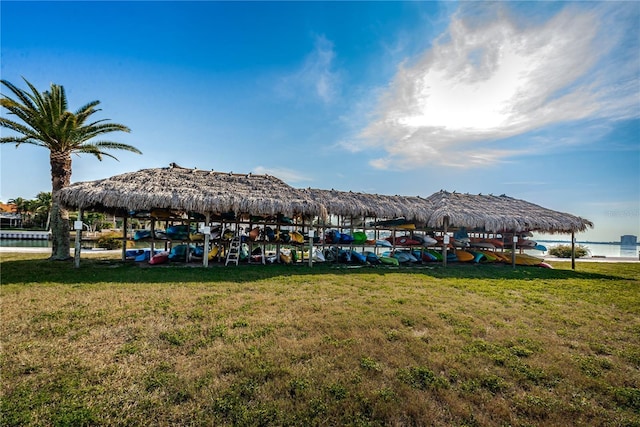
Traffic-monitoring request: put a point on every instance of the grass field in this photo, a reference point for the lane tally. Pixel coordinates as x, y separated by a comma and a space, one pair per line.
118, 344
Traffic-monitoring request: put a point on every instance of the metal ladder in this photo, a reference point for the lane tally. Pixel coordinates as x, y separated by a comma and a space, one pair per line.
234, 251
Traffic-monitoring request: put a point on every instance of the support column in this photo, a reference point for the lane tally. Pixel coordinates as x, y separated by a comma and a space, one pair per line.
78, 248
207, 236
573, 250
445, 241
124, 237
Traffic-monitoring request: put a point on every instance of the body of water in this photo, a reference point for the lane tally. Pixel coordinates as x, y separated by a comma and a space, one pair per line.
598, 249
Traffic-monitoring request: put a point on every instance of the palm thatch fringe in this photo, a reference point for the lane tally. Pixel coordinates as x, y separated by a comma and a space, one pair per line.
205, 192
499, 213
351, 204
192, 190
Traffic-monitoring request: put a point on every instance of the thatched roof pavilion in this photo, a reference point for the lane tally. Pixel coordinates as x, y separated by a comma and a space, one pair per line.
192, 190
497, 214
351, 204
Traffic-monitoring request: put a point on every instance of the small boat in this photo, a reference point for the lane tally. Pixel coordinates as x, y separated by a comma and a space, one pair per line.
489, 256
296, 237
178, 232
359, 237
384, 243
254, 234
464, 256
318, 256
346, 238
285, 259
482, 245
387, 260
404, 257
216, 251
437, 255
545, 265
524, 259
196, 237
159, 258
372, 258
358, 257
540, 248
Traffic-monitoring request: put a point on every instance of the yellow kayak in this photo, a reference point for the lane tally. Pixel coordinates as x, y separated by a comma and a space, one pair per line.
464, 256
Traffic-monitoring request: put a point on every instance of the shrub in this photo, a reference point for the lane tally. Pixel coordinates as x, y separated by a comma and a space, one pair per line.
564, 251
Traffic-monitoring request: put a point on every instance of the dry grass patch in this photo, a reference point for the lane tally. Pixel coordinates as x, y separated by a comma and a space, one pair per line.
114, 344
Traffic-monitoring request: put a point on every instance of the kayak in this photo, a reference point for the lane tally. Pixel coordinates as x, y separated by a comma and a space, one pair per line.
358, 257
464, 256
159, 258
359, 237
387, 260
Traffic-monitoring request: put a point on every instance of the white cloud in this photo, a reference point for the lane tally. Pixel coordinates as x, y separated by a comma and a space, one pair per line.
482, 82
316, 77
287, 175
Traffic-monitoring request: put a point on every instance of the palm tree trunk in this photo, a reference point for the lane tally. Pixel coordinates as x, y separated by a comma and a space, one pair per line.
60, 178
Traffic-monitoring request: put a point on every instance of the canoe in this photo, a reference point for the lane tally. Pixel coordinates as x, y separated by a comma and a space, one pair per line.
464, 256
387, 260
545, 265
159, 258
384, 243
540, 248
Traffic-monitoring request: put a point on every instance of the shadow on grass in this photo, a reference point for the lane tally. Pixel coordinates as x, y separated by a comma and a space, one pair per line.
32, 271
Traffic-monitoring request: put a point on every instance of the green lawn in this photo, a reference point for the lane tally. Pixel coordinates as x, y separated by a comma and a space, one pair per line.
119, 344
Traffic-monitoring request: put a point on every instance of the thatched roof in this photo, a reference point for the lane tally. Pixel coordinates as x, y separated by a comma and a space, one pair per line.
499, 213
212, 192
192, 190
348, 203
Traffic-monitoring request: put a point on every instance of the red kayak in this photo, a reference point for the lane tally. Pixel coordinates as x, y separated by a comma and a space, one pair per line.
159, 258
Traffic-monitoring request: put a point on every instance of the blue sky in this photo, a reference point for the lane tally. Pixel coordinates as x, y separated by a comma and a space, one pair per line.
536, 100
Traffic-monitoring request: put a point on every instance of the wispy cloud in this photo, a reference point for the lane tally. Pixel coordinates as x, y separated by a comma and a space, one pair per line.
287, 175
316, 77
494, 76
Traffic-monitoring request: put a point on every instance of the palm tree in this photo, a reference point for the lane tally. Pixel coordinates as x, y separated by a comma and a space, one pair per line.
46, 122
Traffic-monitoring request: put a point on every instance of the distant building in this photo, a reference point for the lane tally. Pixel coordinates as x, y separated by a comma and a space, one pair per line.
628, 240
9, 218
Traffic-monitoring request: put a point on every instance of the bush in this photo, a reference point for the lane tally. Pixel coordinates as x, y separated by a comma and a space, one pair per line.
564, 251
111, 241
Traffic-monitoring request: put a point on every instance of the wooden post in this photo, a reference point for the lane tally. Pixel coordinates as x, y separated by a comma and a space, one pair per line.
573, 250
311, 233
445, 241
513, 252
124, 237
207, 236
78, 248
